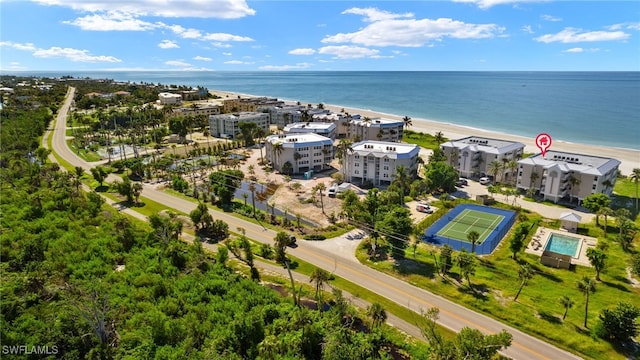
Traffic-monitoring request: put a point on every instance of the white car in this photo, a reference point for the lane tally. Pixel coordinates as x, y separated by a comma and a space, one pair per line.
425, 208
484, 180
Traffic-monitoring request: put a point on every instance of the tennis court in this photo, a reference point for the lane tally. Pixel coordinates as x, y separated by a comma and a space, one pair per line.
471, 220
491, 223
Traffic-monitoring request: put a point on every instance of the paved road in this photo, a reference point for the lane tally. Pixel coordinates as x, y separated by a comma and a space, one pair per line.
452, 316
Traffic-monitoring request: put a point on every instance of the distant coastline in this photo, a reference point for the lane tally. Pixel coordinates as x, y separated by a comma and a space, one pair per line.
630, 158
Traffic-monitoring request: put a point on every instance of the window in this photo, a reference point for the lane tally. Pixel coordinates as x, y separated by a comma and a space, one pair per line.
386, 160
356, 172
356, 164
357, 157
385, 175
385, 168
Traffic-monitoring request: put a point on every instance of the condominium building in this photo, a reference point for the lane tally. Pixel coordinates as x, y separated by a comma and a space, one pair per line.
226, 125
198, 110
284, 115
320, 128
341, 121
377, 129
253, 104
299, 153
567, 176
472, 156
375, 162
165, 98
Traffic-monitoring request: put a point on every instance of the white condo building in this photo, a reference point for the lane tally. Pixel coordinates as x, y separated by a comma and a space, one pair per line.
376, 129
320, 128
226, 125
472, 155
376, 161
165, 98
302, 151
560, 175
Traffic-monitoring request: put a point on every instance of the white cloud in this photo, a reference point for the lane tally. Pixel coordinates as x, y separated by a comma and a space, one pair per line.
185, 33
414, 32
630, 26
485, 4
302, 51
225, 37
348, 52
220, 45
223, 9
581, 50
168, 44
111, 21
286, 67
202, 58
550, 18
572, 35
373, 14
75, 55
238, 62
227, 54
527, 29
18, 46
180, 63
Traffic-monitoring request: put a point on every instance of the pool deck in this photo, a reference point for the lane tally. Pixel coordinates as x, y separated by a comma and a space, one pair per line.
541, 237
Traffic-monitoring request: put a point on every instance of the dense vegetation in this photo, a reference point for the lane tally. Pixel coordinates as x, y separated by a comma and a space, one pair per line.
82, 281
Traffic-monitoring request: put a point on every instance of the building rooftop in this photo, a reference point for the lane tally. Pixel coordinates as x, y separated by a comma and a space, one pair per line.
385, 148
377, 122
588, 164
299, 138
311, 126
487, 145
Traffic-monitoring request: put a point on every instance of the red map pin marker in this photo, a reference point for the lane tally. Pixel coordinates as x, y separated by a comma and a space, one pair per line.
543, 142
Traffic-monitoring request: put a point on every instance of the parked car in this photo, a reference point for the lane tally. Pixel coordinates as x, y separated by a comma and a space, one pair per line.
424, 208
292, 241
332, 191
462, 182
484, 180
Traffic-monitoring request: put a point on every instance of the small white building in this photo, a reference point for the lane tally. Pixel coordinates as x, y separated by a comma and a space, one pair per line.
297, 153
561, 175
472, 156
226, 125
376, 161
165, 98
320, 128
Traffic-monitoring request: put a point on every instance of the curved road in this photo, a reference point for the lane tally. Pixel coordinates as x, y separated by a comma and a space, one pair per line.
452, 316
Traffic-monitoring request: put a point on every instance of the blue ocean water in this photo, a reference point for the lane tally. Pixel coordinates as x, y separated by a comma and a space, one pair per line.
597, 108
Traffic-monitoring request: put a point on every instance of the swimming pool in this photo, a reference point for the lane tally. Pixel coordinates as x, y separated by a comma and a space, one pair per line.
562, 244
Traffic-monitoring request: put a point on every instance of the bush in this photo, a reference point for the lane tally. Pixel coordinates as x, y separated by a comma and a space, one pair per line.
315, 237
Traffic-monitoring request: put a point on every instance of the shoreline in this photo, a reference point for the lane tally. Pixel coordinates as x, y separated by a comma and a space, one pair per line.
629, 158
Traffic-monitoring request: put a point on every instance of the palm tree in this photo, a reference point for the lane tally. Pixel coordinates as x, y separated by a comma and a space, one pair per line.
467, 264
567, 303
403, 181
252, 188
407, 122
377, 314
606, 212
319, 277
533, 177
277, 149
635, 178
597, 258
473, 237
319, 188
525, 272
574, 182
494, 169
343, 148
512, 165
587, 285
439, 138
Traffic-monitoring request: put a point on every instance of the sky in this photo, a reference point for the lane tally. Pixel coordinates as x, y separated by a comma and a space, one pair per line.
308, 35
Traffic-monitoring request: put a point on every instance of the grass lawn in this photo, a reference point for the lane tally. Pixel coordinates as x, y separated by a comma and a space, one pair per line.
537, 311
89, 156
421, 139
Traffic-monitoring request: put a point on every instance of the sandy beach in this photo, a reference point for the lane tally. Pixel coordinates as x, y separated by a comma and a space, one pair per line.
629, 159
